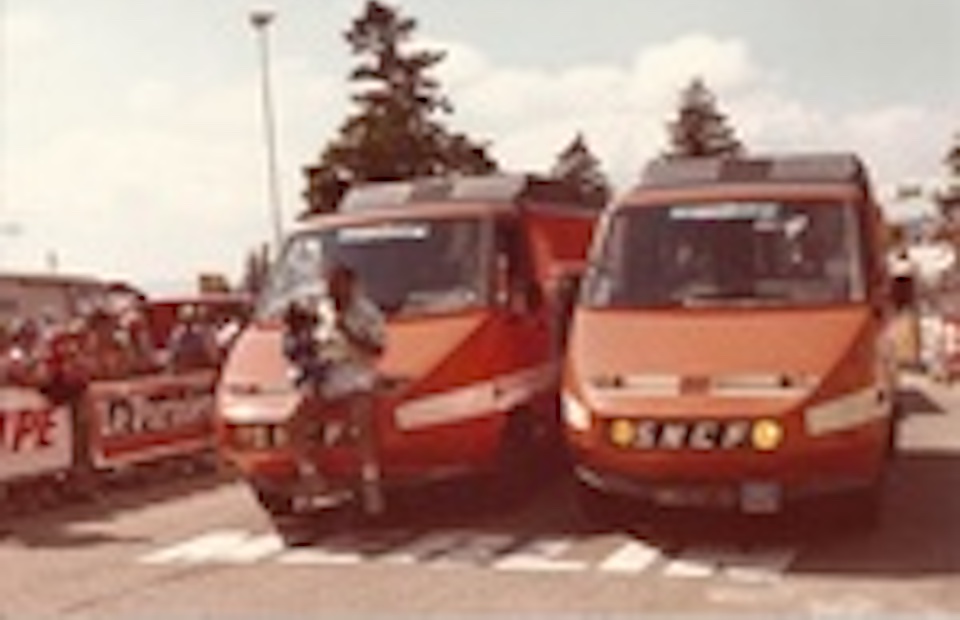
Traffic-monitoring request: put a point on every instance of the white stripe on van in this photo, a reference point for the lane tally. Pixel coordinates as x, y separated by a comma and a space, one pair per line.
498, 394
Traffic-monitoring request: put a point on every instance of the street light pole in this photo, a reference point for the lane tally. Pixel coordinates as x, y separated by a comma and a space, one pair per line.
261, 19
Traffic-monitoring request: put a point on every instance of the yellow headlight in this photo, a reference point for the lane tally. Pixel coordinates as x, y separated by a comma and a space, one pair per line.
767, 435
260, 436
623, 433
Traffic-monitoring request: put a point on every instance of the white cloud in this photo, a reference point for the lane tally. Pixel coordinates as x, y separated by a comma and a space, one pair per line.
156, 179
531, 113
659, 72
167, 182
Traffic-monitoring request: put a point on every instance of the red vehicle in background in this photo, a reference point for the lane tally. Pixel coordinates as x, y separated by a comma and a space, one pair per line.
470, 274
224, 311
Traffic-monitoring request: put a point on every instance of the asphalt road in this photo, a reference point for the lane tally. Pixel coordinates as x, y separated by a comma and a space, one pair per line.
198, 546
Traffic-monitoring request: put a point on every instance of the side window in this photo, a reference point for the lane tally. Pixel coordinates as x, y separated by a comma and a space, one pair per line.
516, 283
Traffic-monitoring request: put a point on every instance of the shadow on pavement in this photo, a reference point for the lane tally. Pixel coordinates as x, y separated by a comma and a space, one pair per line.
919, 534
66, 522
913, 401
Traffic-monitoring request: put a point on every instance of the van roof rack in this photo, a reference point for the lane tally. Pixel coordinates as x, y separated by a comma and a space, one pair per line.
499, 188
812, 168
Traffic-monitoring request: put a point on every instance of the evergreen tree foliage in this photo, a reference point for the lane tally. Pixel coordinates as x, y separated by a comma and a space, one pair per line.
578, 165
949, 197
395, 133
700, 129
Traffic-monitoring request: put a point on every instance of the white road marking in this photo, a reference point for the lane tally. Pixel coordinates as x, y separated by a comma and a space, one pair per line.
476, 550
540, 554
319, 556
761, 565
253, 549
693, 563
350, 548
632, 557
424, 548
756, 565
207, 547
463, 548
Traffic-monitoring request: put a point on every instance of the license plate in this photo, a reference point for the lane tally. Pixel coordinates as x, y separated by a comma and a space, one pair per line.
693, 496
761, 497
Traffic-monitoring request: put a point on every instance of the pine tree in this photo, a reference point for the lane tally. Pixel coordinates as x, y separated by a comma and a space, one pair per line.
394, 134
949, 196
578, 165
700, 129
952, 162
256, 270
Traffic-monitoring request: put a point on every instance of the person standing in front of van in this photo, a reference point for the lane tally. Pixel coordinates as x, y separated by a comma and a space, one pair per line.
351, 337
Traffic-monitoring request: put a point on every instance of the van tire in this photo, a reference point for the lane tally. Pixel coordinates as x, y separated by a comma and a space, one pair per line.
276, 503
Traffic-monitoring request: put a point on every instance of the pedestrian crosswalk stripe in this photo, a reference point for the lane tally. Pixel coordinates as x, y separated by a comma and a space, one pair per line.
207, 547
319, 556
254, 549
759, 565
539, 554
464, 548
693, 563
632, 557
747, 565
474, 549
425, 548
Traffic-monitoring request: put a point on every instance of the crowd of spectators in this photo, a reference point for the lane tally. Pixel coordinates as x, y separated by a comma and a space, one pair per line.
104, 344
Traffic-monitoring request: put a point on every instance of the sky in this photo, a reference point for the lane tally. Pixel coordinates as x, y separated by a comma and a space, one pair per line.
131, 142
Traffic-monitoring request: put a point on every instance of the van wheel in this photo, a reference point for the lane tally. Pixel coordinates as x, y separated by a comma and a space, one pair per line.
277, 504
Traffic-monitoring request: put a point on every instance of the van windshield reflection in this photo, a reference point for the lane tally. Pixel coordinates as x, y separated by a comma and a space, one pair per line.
730, 254
409, 267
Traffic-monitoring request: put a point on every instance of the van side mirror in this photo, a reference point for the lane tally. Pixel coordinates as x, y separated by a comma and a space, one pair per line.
903, 292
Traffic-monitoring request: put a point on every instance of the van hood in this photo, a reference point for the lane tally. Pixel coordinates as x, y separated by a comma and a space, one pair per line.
776, 353
256, 382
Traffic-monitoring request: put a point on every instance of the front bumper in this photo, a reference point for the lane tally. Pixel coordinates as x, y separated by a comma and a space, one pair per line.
756, 495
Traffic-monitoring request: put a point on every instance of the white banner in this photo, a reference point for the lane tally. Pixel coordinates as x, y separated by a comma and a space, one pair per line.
35, 437
151, 417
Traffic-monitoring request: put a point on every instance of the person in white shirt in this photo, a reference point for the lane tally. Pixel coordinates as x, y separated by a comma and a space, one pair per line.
350, 337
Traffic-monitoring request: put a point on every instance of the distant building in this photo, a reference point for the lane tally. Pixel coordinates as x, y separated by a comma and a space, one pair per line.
59, 296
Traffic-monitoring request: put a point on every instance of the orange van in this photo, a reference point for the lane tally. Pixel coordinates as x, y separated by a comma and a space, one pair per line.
731, 344
468, 272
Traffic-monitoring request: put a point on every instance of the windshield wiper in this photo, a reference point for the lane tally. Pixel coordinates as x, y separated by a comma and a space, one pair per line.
426, 301
727, 297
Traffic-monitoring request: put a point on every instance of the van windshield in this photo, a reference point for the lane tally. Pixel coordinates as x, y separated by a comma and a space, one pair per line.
728, 254
408, 267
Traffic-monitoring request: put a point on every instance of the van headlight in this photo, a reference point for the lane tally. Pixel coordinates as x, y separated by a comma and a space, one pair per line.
575, 413
766, 435
260, 436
